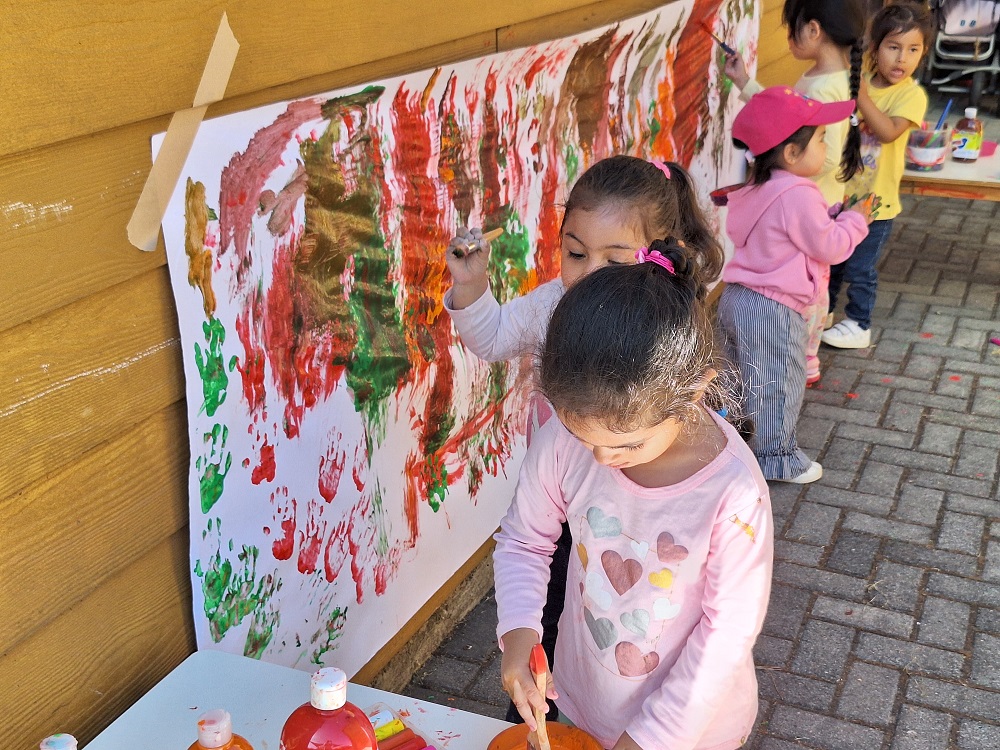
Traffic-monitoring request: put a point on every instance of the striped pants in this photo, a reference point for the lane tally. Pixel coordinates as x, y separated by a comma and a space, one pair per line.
767, 342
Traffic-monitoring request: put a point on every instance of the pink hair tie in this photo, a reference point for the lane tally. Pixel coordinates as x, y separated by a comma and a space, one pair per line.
645, 255
661, 166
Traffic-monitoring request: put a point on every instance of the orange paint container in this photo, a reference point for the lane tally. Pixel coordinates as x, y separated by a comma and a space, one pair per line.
561, 737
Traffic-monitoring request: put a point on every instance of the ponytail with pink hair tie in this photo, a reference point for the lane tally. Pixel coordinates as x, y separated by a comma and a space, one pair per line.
662, 166
645, 255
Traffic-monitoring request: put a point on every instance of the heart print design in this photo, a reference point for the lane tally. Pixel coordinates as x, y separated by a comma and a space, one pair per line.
637, 621
632, 662
602, 629
664, 610
582, 552
623, 574
595, 589
667, 551
602, 525
662, 579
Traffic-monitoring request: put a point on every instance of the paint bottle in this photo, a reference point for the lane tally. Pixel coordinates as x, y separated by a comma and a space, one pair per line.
58, 742
967, 137
215, 732
328, 721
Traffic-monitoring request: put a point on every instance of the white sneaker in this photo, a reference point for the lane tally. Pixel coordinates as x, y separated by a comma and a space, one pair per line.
814, 472
828, 323
847, 334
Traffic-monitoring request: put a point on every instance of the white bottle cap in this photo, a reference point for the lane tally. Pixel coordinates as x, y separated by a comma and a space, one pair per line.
328, 689
215, 728
971, 112
59, 742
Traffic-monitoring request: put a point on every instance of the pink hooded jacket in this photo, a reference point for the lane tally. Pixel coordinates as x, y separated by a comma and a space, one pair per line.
785, 237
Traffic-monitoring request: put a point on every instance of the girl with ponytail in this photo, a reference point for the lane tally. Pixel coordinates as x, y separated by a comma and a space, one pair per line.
830, 34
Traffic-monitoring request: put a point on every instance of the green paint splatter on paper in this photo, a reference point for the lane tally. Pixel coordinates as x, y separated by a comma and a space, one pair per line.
214, 380
231, 595
334, 629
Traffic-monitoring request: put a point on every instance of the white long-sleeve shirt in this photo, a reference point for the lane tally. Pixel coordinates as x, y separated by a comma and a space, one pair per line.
665, 594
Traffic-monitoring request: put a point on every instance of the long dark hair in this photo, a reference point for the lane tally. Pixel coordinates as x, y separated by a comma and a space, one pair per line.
843, 21
764, 164
661, 205
628, 346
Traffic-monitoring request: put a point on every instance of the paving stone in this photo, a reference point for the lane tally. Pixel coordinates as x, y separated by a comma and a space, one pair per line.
918, 504
854, 554
923, 366
920, 556
877, 435
975, 735
973, 505
823, 732
963, 589
879, 479
813, 524
904, 532
896, 587
988, 620
991, 572
487, 687
969, 338
985, 658
812, 433
944, 623
840, 414
909, 656
773, 743
772, 652
922, 729
961, 533
954, 698
869, 694
939, 438
823, 650
911, 459
474, 639
929, 399
796, 690
801, 554
864, 617
976, 462
834, 584
937, 480
445, 673
786, 611
826, 495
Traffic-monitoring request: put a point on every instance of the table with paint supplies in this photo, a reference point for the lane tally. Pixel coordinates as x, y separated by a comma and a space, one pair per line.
220, 700
952, 162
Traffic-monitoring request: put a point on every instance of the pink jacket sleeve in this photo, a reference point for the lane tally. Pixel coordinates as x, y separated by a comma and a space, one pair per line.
737, 589
817, 235
528, 536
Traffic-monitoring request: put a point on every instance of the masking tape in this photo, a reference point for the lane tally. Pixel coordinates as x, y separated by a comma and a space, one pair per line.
144, 226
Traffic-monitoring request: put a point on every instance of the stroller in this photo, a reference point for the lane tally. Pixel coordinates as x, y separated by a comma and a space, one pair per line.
965, 48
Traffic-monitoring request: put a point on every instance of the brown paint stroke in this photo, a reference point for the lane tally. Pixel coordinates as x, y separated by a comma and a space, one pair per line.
199, 257
695, 54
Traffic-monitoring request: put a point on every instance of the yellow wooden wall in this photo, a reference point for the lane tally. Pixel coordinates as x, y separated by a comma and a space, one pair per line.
94, 582
775, 64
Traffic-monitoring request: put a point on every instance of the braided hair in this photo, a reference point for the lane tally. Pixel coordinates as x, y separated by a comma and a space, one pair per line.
628, 346
843, 21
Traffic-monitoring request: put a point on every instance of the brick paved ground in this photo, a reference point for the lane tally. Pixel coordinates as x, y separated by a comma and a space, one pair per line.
883, 631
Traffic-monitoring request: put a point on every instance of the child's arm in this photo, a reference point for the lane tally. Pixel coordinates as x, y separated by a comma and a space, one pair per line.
737, 589
814, 233
468, 259
885, 128
525, 543
736, 71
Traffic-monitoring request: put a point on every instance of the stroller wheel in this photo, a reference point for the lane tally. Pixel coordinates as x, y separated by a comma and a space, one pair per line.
976, 89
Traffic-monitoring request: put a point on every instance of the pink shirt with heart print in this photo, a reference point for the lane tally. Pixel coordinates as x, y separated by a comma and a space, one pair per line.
664, 597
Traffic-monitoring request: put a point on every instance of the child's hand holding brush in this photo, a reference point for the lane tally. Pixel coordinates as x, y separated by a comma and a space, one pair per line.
526, 678
468, 259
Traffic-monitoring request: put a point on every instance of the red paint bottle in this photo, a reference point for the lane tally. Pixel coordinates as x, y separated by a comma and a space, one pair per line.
328, 721
215, 732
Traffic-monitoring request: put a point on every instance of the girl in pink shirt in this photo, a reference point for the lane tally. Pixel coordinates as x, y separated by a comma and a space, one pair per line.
670, 574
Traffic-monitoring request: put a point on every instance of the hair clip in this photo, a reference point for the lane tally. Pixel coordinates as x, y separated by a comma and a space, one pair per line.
855, 121
645, 255
661, 166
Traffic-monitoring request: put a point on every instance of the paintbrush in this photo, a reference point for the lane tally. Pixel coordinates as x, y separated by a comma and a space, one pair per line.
725, 47
539, 664
940, 123
474, 246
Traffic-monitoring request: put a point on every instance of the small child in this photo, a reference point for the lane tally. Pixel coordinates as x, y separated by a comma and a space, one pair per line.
671, 521
830, 35
783, 232
891, 103
616, 206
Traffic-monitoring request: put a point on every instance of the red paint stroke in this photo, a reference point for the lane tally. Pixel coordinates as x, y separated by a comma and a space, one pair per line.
489, 152
281, 206
248, 329
955, 378
311, 538
695, 56
886, 380
453, 162
282, 547
852, 395
926, 335
266, 468
245, 175
331, 467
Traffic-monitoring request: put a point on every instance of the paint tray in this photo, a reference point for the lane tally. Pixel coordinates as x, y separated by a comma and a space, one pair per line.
561, 737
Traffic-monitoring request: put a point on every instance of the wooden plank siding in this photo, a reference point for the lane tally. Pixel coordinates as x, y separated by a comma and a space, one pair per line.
95, 594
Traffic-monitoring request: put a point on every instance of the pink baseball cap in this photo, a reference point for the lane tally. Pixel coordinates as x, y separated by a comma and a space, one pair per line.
773, 114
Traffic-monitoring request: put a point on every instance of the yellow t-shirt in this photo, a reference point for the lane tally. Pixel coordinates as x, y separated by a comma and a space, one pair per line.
884, 161
828, 87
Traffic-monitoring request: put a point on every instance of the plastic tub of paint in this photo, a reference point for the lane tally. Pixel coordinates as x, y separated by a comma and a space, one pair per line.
926, 150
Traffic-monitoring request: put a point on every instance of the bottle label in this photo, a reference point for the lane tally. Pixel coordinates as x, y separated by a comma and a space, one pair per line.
966, 145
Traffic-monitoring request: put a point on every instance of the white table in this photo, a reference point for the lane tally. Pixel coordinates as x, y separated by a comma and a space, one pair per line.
979, 180
260, 696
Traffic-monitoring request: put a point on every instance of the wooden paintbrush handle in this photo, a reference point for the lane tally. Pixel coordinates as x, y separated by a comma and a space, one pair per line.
541, 681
